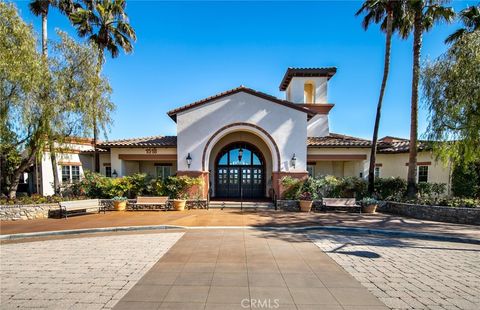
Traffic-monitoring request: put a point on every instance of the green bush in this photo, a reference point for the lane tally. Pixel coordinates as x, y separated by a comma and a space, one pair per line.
466, 181
36, 199
390, 188
292, 187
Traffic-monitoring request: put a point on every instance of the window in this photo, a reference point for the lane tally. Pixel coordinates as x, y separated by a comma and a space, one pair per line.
65, 174
108, 171
377, 172
422, 174
70, 174
75, 174
309, 93
163, 171
311, 170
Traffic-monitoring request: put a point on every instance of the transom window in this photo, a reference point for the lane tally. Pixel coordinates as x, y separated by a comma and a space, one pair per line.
231, 157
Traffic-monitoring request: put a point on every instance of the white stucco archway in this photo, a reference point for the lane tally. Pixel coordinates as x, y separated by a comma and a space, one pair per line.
245, 127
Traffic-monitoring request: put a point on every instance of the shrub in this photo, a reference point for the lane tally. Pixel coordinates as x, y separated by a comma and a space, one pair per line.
432, 191
390, 188
329, 186
292, 187
178, 187
466, 181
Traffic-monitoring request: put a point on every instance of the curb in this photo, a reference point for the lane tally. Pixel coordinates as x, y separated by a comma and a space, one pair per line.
338, 229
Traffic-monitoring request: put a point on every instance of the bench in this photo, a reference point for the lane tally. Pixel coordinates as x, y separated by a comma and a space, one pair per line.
76, 207
341, 204
151, 203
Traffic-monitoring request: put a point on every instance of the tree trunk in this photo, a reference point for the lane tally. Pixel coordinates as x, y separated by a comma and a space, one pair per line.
53, 159
15, 178
44, 33
386, 69
96, 155
412, 159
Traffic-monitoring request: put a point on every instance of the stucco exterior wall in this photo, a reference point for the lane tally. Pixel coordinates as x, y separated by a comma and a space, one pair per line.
341, 168
318, 126
296, 88
287, 126
394, 165
127, 167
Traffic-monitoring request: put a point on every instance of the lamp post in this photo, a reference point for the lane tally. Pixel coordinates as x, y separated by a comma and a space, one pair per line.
240, 155
189, 160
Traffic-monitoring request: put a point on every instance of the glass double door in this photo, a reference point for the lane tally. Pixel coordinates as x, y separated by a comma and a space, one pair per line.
240, 181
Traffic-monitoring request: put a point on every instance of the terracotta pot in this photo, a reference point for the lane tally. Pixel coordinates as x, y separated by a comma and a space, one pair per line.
179, 204
369, 208
306, 205
120, 205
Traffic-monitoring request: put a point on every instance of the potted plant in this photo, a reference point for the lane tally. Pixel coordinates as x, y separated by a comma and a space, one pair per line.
180, 202
119, 203
306, 202
369, 205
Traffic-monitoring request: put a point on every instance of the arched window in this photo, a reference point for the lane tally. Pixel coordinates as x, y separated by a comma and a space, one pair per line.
309, 92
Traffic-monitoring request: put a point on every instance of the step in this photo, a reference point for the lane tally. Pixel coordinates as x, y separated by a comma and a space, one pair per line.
238, 204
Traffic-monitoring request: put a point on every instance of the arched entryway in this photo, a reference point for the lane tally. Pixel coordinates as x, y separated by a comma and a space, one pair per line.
240, 171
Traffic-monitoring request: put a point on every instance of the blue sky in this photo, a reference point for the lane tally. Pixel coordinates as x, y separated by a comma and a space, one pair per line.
190, 50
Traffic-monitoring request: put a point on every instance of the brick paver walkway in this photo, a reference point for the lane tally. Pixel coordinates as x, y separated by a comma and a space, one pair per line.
215, 217
77, 273
410, 274
243, 269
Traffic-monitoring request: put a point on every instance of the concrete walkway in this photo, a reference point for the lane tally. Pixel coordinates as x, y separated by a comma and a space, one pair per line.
215, 217
242, 269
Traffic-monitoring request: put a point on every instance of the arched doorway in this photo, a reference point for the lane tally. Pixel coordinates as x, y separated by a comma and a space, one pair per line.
240, 172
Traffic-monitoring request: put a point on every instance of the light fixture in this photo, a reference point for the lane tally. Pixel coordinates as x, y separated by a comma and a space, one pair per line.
189, 160
294, 160
114, 173
240, 154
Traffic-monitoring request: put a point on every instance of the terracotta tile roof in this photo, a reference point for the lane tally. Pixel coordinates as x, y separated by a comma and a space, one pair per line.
398, 145
154, 141
306, 72
337, 140
173, 113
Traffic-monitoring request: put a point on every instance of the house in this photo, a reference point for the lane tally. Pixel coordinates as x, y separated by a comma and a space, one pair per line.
242, 142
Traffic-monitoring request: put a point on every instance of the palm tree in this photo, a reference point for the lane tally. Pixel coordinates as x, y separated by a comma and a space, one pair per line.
420, 17
471, 19
41, 8
383, 12
106, 25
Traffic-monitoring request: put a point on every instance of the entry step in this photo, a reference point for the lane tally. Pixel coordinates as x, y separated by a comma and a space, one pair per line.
238, 204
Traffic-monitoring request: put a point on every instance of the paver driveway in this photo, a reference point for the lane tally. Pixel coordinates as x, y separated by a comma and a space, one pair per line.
410, 274
78, 273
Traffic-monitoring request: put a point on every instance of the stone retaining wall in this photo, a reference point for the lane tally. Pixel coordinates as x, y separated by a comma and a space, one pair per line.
433, 213
26, 212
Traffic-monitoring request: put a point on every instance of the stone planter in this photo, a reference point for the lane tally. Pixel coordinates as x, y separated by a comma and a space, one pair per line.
369, 208
120, 205
179, 204
306, 205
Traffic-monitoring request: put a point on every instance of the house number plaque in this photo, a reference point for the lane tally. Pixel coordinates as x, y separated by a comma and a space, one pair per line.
151, 151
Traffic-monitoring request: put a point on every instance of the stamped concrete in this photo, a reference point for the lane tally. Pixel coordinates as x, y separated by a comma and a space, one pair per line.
77, 273
244, 269
410, 274
216, 217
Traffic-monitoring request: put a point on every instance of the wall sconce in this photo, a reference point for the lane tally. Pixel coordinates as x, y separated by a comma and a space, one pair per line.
114, 173
189, 160
240, 154
294, 160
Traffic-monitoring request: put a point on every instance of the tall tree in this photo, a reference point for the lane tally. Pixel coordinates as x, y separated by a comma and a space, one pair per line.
470, 17
451, 88
41, 8
380, 12
421, 16
36, 96
106, 24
